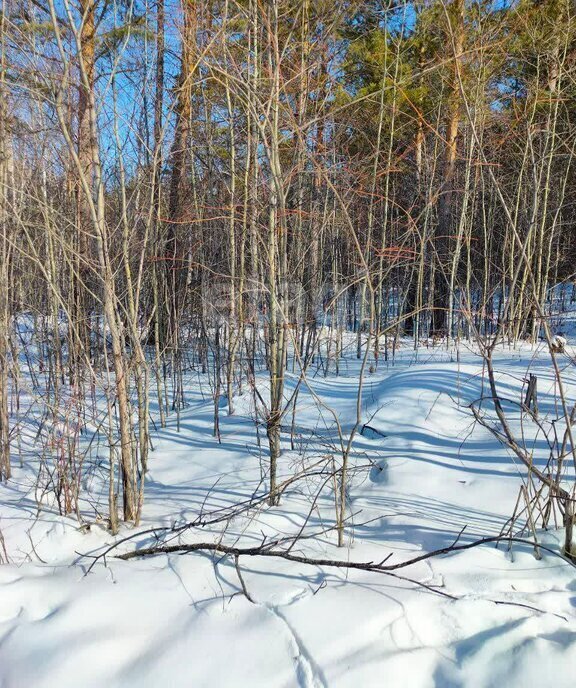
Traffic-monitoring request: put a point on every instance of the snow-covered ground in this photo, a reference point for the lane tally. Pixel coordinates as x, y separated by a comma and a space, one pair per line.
425, 472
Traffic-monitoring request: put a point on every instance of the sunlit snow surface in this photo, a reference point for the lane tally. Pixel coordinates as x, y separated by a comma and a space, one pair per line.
181, 620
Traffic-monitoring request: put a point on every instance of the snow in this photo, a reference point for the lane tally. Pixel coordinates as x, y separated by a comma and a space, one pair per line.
182, 620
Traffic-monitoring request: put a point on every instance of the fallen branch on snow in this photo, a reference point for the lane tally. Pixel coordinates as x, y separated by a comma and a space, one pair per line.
268, 550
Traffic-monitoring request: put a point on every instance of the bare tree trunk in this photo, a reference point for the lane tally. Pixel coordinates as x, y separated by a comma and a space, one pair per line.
5, 468
445, 207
